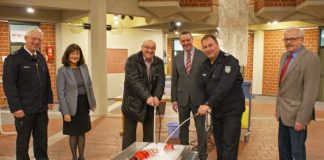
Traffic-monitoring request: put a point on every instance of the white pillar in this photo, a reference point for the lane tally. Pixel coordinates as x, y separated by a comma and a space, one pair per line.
98, 53
233, 28
258, 54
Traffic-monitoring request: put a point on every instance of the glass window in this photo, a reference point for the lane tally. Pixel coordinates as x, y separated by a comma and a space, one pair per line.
177, 47
322, 38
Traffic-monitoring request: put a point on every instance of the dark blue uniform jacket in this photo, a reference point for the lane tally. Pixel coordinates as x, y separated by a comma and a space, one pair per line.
26, 82
222, 83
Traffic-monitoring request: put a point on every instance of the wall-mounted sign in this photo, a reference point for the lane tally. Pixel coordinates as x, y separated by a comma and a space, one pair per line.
18, 31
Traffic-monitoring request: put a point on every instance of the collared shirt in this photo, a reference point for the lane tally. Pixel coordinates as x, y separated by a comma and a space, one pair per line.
192, 51
148, 65
29, 51
294, 56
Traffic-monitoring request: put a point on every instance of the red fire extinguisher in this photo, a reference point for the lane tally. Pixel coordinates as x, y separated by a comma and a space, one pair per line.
50, 52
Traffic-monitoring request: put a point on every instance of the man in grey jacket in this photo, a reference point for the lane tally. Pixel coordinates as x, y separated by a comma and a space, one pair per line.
299, 83
186, 96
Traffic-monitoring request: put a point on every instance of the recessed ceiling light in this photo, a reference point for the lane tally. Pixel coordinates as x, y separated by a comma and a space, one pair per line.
178, 24
30, 10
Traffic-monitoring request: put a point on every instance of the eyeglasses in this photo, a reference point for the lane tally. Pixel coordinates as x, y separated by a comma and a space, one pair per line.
291, 39
149, 48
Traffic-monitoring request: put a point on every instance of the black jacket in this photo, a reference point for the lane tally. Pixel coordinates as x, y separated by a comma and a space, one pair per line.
222, 82
138, 87
26, 82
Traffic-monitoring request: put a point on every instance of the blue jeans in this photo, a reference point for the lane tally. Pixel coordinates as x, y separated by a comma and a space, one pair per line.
291, 143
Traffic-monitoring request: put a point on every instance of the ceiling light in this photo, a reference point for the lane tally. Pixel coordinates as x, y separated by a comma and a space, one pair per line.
275, 22
178, 24
269, 23
30, 10
116, 17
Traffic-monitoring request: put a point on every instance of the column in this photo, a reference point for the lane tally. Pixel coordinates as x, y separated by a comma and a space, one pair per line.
258, 53
98, 53
233, 28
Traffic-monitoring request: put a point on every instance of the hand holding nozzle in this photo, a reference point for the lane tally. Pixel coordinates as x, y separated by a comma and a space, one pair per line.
204, 109
153, 101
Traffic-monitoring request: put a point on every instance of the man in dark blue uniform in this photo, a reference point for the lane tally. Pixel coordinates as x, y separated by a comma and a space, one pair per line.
27, 86
222, 82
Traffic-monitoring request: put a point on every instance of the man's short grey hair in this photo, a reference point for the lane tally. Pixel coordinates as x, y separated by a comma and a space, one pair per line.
35, 29
300, 31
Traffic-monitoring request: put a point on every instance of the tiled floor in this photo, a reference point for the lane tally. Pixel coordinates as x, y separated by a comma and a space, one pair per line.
103, 142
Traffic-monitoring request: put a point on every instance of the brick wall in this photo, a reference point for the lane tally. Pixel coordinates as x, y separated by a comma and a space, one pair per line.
49, 38
273, 49
195, 3
274, 3
4, 50
248, 68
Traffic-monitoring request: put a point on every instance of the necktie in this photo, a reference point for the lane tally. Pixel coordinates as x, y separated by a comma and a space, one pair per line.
284, 69
188, 63
34, 57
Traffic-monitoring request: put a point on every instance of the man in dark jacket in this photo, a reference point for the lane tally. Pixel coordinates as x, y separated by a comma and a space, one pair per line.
222, 82
27, 86
143, 90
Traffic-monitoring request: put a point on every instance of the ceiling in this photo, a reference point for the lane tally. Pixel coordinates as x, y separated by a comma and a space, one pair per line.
156, 15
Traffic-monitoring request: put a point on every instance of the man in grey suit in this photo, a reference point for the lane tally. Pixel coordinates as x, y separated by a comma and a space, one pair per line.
299, 82
186, 96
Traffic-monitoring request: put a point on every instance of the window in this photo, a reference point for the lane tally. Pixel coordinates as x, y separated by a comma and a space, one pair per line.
177, 47
322, 38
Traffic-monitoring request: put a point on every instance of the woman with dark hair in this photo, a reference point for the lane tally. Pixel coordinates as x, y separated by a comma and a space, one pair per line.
76, 98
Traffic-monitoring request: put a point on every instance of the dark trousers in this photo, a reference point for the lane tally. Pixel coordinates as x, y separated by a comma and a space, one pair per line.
130, 125
227, 132
291, 143
184, 113
35, 125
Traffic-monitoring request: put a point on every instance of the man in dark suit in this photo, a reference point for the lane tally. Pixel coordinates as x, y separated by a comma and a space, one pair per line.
299, 84
27, 86
185, 93
143, 90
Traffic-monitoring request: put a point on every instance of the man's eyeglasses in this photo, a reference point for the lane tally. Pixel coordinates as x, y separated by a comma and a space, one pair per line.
291, 39
149, 48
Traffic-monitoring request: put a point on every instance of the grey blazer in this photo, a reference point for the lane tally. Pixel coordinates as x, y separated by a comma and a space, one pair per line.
67, 90
299, 89
184, 86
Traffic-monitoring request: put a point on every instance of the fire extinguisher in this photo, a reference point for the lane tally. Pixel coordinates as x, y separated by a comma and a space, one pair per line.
50, 52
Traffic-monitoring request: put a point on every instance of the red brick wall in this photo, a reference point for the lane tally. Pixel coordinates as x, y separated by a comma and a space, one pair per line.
248, 68
196, 3
188, 3
4, 50
274, 3
273, 49
49, 38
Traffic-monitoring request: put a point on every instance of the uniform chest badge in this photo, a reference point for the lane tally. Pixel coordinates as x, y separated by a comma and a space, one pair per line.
228, 69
